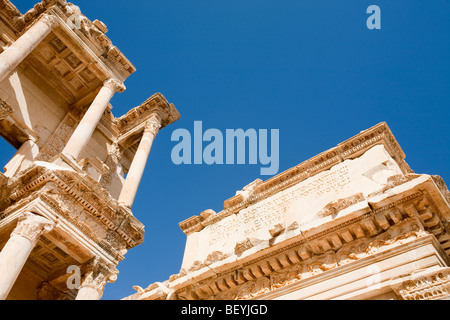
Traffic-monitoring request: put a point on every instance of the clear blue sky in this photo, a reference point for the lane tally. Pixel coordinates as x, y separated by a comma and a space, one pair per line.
311, 69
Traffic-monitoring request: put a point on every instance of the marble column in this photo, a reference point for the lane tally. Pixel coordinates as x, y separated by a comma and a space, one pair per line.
22, 47
96, 276
23, 158
137, 167
91, 118
18, 248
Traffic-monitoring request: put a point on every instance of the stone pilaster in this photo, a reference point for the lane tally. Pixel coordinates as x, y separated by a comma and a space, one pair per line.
18, 248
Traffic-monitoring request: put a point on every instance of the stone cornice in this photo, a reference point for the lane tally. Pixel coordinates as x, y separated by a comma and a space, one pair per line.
352, 148
12, 15
156, 104
131, 125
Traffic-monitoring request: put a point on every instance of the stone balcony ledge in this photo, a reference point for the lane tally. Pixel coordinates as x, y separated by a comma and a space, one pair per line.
78, 198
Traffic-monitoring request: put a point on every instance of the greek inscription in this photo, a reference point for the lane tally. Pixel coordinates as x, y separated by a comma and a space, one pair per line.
270, 212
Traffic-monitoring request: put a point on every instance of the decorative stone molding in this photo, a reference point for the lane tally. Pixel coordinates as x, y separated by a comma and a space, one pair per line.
49, 19
442, 187
400, 222
153, 125
115, 85
156, 291
12, 14
115, 152
74, 195
55, 144
281, 269
334, 207
429, 286
32, 226
5, 110
48, 292
136, 117
93, 33
97, 274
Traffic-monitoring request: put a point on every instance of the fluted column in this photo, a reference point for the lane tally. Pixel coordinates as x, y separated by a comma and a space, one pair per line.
22, 47
96, 276
91, 118
137, 167
18, 248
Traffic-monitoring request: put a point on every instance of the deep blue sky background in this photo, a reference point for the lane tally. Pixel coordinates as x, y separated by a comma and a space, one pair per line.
308, 68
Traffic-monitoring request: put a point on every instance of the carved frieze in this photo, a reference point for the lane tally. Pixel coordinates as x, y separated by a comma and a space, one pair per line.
410, 218
83, 202
58, 140
429, 286
277, 272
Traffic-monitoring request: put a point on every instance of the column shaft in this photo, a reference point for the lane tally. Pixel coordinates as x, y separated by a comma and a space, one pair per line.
18, 248
137, 167
23, 158
88, 293
12, 258
22, 47
86, 127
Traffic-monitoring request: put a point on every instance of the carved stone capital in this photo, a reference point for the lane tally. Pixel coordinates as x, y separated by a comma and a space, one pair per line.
97, 274
49, 20
115, 151
424, 286
5, 109
114, 84
153, 125
32, 226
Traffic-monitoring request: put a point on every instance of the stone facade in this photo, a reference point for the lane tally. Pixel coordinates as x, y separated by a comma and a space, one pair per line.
64, 198
354, 222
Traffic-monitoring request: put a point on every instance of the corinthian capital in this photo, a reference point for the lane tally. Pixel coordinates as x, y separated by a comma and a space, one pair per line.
114, 85
5, 109
32, 226
49, 20
153, 124
97, 274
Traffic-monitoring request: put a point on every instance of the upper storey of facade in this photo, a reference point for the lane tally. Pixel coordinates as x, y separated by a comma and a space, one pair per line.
57, 66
